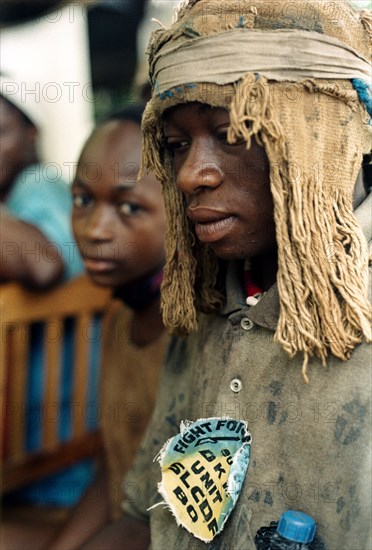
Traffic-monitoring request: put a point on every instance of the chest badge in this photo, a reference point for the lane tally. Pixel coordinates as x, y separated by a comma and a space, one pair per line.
203, 469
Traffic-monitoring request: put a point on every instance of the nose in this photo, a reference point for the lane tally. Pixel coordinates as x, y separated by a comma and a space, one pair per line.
201, 169
100, 224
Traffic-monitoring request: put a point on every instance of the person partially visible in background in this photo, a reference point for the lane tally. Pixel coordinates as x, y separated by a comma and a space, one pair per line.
37, 246
38, 251
119, 225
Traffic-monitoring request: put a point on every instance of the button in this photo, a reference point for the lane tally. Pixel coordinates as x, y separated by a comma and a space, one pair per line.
236, 385
246, 323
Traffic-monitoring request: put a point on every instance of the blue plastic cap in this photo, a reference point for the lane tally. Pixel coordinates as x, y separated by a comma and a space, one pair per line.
296, 526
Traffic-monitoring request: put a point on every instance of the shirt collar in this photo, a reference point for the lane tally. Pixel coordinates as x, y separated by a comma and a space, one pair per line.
265, 313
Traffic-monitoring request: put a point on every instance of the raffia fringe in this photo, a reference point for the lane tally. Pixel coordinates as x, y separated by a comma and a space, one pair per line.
322, 254
323, 304
323, 269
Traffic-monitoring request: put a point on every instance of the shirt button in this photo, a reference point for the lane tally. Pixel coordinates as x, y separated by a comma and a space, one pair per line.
246, 323
236, 385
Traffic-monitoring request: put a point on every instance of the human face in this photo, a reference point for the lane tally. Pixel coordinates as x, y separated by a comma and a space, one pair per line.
118, 223
17, 145
226, 186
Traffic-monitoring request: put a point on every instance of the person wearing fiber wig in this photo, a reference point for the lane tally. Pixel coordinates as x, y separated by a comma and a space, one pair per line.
257, 127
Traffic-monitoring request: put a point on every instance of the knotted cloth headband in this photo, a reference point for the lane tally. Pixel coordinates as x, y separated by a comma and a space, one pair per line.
281, 55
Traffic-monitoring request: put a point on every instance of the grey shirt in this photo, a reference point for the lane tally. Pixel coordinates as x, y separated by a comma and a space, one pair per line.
310, 442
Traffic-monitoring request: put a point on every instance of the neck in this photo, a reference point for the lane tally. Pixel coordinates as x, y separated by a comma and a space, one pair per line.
147, 324
141, 293
143, 298
265, 268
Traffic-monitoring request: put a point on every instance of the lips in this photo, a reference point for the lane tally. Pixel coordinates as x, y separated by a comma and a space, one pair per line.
211, 225
99, 265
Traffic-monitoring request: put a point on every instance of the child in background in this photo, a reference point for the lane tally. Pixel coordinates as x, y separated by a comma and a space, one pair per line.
38, 251
119, 226
257, 127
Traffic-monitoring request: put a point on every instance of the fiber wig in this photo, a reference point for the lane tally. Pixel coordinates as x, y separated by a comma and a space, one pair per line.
312, 121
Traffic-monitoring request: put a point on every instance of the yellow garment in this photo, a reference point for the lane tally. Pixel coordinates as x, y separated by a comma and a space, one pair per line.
129, 385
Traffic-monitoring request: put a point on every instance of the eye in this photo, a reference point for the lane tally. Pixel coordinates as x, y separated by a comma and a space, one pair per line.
81, 200
129, 208
222, 136
173, 145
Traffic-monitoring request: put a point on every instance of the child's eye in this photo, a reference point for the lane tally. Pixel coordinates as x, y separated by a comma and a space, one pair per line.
81, 200
129, 208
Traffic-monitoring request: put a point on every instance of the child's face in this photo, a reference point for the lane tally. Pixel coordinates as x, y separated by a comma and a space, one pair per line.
226, 187
118, 223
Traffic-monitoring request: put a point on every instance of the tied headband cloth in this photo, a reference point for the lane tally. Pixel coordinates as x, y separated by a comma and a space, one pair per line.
281, 55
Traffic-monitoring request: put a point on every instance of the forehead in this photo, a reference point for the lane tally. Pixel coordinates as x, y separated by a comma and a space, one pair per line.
199, 107
182, 113
114, 141
111, 159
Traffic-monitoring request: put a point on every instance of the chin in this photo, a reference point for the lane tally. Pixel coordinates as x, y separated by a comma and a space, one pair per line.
231, 253
102, 279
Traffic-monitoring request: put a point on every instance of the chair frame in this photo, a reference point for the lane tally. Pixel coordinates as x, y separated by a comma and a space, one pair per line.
19, 308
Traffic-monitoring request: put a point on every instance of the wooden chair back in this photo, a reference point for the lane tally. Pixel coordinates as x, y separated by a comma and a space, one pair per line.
82, 301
